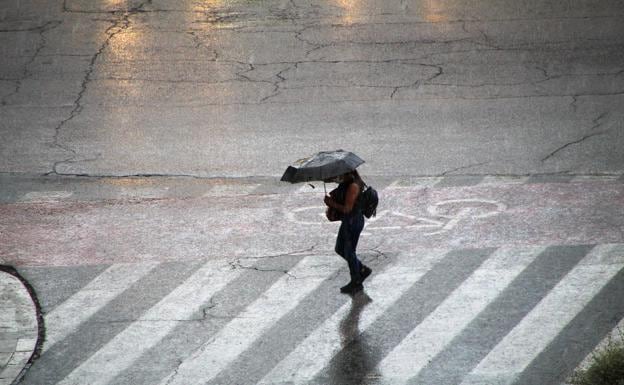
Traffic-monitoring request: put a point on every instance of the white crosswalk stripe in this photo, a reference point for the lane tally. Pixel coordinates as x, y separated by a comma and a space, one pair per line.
66, 317
533, 334
465, 303
317, 350
241, 332
184, 302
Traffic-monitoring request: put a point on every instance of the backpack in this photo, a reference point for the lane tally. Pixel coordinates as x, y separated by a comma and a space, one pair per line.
369, 202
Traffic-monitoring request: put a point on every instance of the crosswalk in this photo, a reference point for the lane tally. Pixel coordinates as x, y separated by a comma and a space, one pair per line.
81, 306
317, 349
153, 326
540, 327
441, 316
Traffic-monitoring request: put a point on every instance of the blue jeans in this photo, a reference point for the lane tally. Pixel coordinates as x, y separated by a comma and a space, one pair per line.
347, 241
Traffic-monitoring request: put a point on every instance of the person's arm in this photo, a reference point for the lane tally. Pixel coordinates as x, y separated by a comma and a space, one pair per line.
352, 193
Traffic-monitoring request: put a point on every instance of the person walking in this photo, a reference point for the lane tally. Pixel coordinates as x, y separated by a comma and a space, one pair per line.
347, 202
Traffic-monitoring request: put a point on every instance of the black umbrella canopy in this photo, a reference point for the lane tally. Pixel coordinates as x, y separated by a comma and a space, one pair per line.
321, 166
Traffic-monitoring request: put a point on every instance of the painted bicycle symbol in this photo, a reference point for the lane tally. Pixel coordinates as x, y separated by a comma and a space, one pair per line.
443, 216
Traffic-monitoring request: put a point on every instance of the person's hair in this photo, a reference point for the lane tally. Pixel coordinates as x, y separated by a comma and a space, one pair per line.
354, 176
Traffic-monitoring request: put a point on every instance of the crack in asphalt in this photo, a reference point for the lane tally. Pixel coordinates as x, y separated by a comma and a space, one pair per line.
597, 123
319, 45
445, 173
211, 305
293, 12
475, 21
578, 75
237, 264
135, 9
245, 78
175, 372
290, 254
488, 48
117, 27
487, 41
536, 83
418, 83
277, 84
339, 9
203, 317
574, 101
454, 97
26, 74
379, 255
31, 29
315, 46
200, 44
141, 320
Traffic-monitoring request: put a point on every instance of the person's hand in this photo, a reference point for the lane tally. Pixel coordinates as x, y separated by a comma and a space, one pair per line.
328, 200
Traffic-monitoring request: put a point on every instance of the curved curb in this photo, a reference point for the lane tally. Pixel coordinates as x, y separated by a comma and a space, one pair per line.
36, 351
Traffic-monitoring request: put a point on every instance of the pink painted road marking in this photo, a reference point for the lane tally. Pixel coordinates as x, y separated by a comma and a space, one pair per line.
70, 233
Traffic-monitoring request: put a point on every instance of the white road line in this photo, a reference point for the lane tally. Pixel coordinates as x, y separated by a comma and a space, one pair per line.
45, 196
385, 288
455, 313
594, 178
66, 317
240, 333
183, 303
497, 180
231, 189
538, 328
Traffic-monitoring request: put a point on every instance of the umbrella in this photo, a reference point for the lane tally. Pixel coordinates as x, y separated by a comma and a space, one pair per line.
321, 166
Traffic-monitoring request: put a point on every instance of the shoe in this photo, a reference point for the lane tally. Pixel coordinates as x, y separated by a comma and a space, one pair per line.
365, 272
351, 288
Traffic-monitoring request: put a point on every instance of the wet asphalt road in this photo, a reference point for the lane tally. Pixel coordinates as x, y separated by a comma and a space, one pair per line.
240, 88
141, 146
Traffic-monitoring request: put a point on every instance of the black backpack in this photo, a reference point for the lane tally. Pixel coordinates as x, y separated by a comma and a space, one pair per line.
369, 202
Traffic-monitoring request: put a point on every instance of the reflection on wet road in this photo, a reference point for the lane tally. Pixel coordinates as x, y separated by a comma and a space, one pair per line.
353, 368
204, 88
